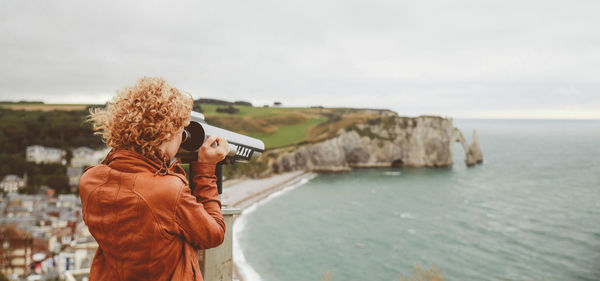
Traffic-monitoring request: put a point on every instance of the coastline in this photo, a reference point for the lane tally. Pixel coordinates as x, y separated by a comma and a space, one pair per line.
247, 193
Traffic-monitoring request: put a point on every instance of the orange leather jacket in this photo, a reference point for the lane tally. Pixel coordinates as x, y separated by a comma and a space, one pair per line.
147, 221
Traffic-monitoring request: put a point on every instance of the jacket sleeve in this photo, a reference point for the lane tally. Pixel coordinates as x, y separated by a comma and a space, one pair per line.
198, 213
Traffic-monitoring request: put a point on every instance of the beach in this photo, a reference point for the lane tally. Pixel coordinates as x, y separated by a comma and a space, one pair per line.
244, 193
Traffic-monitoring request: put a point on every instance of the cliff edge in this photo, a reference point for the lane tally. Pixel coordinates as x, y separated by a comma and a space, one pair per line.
387, 141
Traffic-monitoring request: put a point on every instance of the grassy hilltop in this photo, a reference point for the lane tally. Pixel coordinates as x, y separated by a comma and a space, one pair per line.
275, 126
64, 126
285, 126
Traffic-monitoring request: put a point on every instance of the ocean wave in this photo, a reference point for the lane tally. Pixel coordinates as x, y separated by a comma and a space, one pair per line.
407, 216
404, 215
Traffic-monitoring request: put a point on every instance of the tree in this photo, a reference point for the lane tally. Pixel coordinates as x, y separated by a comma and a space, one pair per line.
197, 106
241, 102
59, 182
59, 129
230, 109
30, 189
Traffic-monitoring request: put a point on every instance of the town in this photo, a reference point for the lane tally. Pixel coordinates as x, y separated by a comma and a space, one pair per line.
42, 235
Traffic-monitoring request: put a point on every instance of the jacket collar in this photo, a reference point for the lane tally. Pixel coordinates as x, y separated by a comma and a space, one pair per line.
132, 162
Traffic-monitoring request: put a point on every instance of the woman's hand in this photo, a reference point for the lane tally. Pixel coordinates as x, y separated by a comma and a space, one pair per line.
213, 150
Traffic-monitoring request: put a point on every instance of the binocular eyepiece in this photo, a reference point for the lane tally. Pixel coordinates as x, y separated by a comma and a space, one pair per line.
241, 148
185, 136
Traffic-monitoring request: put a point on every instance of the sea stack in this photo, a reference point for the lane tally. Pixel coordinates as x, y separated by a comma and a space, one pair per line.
474, 155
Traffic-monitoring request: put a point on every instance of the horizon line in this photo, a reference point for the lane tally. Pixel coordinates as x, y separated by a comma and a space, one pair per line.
33, 102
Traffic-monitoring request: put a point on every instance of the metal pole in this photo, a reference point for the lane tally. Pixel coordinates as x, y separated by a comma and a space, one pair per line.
219, 174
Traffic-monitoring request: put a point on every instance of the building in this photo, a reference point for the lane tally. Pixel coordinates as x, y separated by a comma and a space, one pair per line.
20, 205
12, 183
86, 157
44, 235
83, 157
74, 174
101, 154
16, 248
77, 255
40, 154
70, 201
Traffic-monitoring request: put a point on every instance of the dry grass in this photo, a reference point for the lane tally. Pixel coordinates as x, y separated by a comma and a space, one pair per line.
281, 129
242, 124
330, 128
45, 107
288, 119
257, 125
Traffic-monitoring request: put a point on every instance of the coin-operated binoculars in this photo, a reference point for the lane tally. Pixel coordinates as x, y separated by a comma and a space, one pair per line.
217, 263
241, 148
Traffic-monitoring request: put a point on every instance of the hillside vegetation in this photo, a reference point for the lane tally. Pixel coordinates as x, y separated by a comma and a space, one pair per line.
64, 126
275, 126
39, 106
284, 126
282, 129
56, 128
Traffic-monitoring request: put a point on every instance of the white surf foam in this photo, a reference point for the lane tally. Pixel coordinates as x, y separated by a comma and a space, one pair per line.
245, 269
407, 216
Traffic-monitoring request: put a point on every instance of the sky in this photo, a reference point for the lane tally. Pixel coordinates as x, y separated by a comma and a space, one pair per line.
460, 59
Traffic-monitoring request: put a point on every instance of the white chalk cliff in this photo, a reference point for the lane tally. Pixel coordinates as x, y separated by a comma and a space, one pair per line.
389, 141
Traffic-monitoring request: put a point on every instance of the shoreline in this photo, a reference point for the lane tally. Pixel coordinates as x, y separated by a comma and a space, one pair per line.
246, 193
243, 193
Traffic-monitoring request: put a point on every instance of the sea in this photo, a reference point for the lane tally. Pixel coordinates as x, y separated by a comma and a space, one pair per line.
530, 211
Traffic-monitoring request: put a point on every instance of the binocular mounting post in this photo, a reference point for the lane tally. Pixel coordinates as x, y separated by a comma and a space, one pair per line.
218, 170
219, 175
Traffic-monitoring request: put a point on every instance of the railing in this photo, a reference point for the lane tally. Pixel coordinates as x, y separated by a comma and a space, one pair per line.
216, 264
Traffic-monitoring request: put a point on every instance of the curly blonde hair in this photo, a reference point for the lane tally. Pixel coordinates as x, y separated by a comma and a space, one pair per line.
143, 116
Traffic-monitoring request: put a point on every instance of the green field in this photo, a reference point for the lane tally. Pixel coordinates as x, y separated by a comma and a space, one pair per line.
275, 126
289, 134
258, 112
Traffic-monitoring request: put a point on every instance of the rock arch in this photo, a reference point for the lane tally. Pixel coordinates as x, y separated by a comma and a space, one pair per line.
473, 153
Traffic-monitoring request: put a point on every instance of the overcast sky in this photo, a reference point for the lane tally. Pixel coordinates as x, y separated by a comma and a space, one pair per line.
490, 59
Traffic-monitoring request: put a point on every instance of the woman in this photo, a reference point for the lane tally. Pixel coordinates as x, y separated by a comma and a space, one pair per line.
148, 221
